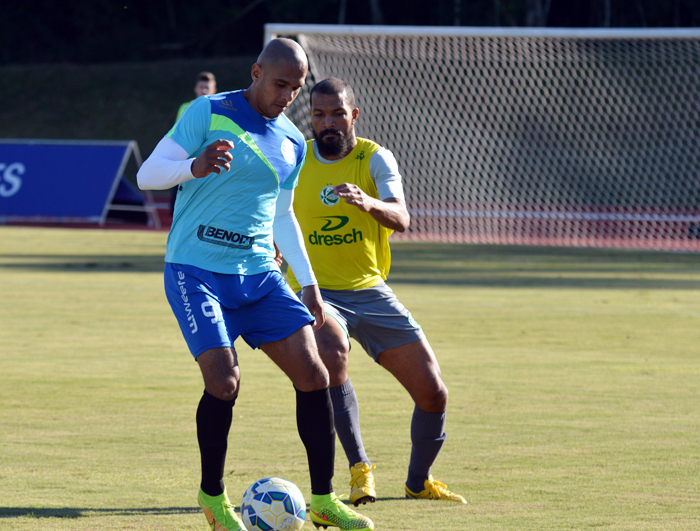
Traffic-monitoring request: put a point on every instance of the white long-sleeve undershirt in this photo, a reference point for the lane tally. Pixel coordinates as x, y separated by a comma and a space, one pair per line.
289, 239
168, 166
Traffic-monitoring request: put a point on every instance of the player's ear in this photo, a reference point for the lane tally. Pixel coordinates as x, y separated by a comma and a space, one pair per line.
355, 114
256, 72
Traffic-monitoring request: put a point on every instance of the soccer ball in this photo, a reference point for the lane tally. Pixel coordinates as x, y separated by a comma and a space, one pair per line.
273, 504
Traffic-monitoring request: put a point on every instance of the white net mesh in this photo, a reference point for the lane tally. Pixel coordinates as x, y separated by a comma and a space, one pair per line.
530, 140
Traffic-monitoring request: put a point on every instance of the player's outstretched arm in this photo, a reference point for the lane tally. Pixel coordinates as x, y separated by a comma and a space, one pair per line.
390, 213
214, 159
168, 166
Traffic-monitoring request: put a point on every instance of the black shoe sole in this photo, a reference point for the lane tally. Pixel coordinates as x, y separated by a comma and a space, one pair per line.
364, 500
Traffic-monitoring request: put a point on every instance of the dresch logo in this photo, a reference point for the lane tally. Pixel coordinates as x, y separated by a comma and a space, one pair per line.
10, 180
334, 223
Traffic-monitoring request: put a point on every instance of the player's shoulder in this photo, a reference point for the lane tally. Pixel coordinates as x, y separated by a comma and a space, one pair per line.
376, 153
199, 106
369, 146
364, 150
223, 101
290, 129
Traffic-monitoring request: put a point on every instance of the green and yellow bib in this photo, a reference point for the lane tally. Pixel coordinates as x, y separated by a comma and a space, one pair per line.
348, 248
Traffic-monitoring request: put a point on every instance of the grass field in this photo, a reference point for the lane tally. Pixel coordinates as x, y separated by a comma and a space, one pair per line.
574, 380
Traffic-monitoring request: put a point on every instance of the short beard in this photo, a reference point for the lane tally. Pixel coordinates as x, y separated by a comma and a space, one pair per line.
332, 149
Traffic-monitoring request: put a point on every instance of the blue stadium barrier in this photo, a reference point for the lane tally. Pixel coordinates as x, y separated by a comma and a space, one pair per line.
68, 181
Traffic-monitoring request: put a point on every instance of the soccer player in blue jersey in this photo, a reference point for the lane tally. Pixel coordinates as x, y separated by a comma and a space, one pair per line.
236, 159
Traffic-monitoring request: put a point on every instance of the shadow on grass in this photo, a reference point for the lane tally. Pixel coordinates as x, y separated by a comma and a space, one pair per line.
541, 267
457, 264
76, 512
83, 263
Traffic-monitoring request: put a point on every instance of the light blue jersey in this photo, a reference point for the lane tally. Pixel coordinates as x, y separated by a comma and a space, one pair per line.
223, 223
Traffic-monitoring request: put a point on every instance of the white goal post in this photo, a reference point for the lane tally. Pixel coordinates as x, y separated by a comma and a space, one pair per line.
579, 137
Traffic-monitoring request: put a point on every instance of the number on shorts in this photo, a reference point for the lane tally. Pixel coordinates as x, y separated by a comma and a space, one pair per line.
213, 313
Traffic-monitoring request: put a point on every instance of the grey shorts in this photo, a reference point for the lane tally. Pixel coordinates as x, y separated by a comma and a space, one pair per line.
374, 317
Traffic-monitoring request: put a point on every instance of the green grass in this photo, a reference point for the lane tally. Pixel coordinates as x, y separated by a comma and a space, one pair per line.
574, 382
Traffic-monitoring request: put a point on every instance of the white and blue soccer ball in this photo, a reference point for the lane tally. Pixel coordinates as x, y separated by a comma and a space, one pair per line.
273, 504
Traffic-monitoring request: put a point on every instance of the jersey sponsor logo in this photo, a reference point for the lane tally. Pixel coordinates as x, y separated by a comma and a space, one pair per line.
224, 237
335, 239
334, 222
228, 104
288, 151
328, 196
187, 305
10, 181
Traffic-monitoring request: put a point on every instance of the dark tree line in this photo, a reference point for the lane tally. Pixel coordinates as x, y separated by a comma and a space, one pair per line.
94, 31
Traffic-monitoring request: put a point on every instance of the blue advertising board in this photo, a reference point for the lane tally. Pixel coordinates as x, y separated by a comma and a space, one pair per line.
61, 180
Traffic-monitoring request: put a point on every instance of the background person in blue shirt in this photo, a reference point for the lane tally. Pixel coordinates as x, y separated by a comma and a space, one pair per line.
236, 159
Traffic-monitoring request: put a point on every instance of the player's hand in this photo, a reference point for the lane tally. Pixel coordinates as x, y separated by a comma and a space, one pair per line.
214, 159
278, 255
311, 297
353, 195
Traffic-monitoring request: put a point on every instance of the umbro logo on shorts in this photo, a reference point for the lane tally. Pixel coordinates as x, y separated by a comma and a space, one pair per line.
224, 237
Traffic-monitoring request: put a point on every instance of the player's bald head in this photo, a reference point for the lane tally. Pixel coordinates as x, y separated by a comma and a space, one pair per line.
283, 52
278, 76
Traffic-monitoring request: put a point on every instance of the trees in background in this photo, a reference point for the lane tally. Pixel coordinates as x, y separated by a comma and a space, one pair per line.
41, 31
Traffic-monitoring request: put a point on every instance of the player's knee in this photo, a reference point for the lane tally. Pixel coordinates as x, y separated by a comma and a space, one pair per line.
229, 392
442, 398
335, 358
314, 379
224, 388
434, 400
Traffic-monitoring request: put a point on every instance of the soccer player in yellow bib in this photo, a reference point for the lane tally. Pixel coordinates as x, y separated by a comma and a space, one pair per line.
348, 202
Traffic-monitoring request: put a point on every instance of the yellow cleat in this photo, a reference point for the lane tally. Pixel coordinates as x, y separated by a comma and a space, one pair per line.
434, 490
362, 484
220, 513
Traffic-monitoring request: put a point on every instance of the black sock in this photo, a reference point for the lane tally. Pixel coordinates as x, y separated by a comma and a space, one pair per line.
213, 424
315, 424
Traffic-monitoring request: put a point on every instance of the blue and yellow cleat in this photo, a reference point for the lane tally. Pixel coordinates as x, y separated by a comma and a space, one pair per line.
337, 514
362, 484
434, 490
220, 513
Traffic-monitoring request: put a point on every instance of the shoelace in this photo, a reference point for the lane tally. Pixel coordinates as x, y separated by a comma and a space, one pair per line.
362, 474
228, 505
437, 489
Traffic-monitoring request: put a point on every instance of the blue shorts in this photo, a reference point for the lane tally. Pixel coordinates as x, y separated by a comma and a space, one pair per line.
213, 309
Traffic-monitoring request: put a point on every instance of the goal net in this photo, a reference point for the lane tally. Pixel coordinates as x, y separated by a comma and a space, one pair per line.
524, 136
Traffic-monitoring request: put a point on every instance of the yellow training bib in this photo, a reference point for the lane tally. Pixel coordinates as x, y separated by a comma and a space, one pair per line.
348, 248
